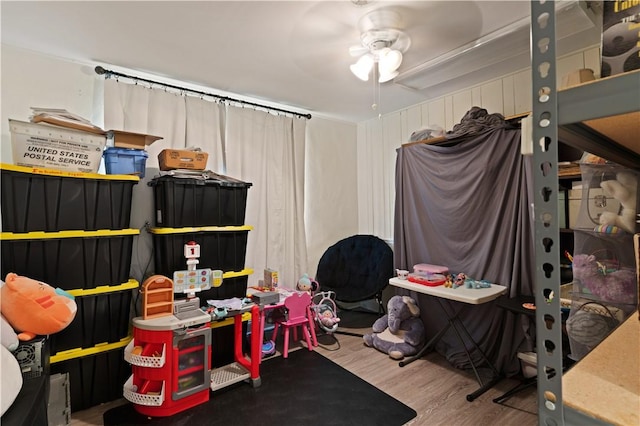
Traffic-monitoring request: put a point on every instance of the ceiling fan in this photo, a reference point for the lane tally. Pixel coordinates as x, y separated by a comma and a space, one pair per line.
382, 43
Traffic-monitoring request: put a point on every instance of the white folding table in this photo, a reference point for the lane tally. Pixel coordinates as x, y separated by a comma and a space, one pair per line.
473, 296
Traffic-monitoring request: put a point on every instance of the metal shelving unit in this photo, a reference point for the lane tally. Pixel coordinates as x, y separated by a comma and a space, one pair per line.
603, 100
609, 96
562, 115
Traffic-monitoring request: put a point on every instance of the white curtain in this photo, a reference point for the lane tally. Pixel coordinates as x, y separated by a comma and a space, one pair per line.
137, 108
268, 151
253, 146
181, 121
205, 129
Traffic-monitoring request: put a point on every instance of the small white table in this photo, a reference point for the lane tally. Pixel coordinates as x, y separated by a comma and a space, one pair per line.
473, 296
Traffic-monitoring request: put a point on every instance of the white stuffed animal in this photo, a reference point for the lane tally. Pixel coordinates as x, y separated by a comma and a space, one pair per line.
9, 337
624, 189
11, 380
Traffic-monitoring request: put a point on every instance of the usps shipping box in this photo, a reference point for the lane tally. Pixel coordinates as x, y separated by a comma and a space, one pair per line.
53, 147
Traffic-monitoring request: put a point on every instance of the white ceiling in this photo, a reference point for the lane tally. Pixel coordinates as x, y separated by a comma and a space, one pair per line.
293, 53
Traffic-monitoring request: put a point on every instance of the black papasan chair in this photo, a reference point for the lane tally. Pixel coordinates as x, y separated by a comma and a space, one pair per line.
357, 269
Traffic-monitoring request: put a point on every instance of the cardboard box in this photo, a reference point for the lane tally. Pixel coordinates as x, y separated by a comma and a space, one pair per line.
53, 147
620, 37
577, 77
270, 278
122, 139
170, 159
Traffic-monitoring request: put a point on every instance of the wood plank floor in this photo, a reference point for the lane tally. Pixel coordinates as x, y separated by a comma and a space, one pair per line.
430, 385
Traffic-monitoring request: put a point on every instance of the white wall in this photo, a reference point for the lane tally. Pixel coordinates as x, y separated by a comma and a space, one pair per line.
331, 205
34, 80
378, 139
31, 79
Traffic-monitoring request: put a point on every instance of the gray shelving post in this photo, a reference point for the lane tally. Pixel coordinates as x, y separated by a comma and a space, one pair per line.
563, 115
547, 241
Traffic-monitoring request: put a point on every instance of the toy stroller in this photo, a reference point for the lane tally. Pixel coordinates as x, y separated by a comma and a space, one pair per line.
325, 309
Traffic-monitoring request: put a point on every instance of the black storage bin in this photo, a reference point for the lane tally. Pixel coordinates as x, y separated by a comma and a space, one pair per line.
103, 317
51, 200
234, 284
213, 200
69, 259
96, 375
221, 248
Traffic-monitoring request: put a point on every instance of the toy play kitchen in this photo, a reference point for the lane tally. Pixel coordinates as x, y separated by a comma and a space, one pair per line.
170, 352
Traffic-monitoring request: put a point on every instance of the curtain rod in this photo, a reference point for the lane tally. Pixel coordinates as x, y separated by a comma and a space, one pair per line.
100, 71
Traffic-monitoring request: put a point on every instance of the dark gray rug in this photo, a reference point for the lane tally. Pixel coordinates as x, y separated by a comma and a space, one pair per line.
305, 389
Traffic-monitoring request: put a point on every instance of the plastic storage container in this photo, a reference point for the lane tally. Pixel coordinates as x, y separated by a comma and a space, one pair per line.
213, 201
221, 248
604, 290
96, 375
588, 324
70, 260
603, 188
34, 199
604, 268
125, 161
103, 317
528, 364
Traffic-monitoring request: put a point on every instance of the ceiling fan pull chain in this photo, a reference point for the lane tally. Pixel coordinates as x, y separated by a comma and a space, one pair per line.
376, 89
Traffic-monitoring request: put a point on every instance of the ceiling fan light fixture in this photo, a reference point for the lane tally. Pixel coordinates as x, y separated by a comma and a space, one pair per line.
389, 60
362, 68
382, 42
384, 77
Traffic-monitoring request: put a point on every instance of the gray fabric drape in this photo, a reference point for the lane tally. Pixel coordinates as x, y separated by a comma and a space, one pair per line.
466, 206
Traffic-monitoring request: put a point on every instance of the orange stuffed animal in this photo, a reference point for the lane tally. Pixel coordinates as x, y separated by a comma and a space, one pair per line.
35, 308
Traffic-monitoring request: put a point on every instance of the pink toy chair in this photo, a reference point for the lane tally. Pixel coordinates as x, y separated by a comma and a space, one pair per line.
298, 314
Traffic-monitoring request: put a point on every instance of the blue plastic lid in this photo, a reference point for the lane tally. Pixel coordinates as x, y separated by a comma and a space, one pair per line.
126, 151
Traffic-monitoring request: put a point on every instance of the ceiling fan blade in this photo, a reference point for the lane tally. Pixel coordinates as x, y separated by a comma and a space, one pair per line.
357, 50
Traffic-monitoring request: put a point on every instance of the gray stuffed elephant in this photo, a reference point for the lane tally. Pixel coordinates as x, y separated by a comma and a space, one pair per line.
400, 331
